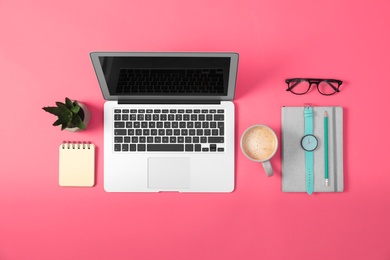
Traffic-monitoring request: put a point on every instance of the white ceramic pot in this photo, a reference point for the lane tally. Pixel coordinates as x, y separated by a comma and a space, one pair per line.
87, 118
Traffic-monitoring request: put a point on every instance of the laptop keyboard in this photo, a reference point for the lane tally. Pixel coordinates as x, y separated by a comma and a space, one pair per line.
169, 130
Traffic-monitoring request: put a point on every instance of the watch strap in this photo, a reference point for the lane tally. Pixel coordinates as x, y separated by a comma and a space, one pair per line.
309, 172
308, 112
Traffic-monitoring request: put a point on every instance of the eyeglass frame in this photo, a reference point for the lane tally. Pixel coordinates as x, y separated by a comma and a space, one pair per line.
315, 81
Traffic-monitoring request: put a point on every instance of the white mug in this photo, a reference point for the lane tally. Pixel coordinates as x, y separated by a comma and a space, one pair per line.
259, 143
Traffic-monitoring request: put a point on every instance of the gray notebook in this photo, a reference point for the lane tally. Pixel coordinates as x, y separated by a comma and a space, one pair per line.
293, 156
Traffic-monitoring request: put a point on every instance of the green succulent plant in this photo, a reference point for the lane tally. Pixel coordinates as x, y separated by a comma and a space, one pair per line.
69, 114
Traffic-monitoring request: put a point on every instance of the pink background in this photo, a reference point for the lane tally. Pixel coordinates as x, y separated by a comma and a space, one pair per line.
44, 47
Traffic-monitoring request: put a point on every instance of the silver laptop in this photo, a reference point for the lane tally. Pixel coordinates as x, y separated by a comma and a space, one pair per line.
168, 120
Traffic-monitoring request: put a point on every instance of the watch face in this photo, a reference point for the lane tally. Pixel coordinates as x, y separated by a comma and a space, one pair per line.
309, 143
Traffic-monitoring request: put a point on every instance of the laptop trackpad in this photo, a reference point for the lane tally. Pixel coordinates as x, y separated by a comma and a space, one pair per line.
168, 173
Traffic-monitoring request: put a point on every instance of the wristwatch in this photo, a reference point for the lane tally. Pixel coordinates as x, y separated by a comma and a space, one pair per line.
309, 143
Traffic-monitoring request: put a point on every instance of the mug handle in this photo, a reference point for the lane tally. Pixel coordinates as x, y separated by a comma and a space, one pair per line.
268, 168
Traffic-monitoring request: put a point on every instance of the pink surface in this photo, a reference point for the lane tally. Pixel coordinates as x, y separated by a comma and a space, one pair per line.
44, 51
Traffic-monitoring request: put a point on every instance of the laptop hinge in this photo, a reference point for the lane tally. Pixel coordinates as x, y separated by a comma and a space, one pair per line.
194, 102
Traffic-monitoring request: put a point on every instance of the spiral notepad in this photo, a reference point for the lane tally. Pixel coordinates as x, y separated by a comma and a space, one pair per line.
77, 164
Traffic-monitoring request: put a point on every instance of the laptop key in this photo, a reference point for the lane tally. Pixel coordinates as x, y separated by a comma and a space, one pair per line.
120, 132
119, 124
189, 147
218, 117
125, 147
216, 140
133, 147
141, 147
165, 147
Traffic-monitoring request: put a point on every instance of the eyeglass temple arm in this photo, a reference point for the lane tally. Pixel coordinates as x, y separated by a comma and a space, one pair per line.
292, 86
335, 88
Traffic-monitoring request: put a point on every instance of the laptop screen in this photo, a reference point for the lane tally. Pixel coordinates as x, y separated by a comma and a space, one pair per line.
169, 76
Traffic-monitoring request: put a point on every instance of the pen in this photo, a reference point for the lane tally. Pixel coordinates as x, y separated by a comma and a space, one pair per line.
326, 148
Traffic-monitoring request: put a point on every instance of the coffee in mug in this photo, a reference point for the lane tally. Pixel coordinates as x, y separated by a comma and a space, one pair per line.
259, 143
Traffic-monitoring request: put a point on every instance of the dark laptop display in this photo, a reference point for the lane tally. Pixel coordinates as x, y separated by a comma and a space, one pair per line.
166, 75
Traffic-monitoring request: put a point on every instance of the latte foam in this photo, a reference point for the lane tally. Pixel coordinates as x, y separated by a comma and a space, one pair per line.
259, 143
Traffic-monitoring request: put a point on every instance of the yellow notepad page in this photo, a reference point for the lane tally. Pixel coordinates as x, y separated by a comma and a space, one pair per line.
77, 164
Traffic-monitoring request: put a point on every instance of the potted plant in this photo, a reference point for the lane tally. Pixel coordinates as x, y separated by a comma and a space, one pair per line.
72, 115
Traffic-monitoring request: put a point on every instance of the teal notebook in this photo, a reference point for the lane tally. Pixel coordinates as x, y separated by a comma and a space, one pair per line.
293, 156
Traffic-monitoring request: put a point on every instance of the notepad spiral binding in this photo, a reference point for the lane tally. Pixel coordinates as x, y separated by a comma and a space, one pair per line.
76, 145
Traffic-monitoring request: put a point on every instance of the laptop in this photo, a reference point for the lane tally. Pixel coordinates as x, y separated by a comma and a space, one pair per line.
168, 120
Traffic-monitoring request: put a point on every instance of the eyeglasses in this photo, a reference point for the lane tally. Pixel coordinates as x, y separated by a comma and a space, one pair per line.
300, 86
